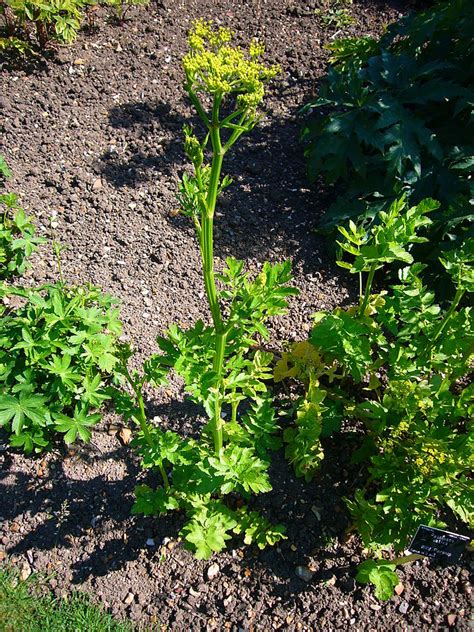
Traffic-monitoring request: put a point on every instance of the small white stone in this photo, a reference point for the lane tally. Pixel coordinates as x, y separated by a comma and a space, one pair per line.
129, 599
213, 571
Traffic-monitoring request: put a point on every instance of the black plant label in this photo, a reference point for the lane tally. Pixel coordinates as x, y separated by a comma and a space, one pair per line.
438, 544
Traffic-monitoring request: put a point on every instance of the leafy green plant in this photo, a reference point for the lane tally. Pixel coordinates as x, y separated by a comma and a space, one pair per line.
57, 20
397, 119
121, 7
4, 170
57, 347
335, 17
381, 575
222, 367
18, 238
399, 364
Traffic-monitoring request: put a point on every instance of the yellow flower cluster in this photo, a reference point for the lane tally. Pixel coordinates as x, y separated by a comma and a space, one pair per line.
214, 66
203, 34
302, 357
432, 455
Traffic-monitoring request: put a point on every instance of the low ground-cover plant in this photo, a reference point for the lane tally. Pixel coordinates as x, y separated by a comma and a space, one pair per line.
399, 364
335, 14
29, 606
122, 7
393, 116
57, 344
220, 363
18, 239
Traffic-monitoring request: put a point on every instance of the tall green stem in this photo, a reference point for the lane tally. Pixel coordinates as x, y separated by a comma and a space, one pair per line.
207, 253
456, 300
449, 314
368, 287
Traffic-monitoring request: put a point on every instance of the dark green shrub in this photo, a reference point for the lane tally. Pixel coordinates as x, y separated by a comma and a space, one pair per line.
395, 116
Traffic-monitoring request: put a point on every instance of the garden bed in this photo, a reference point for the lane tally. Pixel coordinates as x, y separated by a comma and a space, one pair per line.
93, 137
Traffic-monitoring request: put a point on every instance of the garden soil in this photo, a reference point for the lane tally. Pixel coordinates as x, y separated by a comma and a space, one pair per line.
93, 136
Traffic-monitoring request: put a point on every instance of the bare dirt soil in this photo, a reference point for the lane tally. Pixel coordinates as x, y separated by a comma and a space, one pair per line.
93, 136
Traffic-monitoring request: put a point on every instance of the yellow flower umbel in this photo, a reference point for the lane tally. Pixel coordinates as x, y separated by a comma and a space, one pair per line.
215, 67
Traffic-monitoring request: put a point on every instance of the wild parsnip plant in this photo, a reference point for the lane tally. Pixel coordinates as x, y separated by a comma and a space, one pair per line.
399, 363
220, 363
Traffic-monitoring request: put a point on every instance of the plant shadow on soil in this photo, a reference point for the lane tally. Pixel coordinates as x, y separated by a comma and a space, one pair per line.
92, 515
270, 212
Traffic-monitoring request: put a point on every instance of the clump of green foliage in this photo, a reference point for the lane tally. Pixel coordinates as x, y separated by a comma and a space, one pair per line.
30, 607
394, 117
334, 14
399, 364
122, 7
222, 367
18, 240
57, 344
31, 23
54, 20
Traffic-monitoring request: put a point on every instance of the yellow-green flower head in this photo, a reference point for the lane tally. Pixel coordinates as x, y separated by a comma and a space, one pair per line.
192, 147
214, 66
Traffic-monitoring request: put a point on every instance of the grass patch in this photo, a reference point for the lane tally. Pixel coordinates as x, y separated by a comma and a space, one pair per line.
29, 606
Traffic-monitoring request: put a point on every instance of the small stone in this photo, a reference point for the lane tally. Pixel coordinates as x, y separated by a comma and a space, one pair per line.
331, 581
403, 607
25, 571
304, 573
132, 206
150, 542
129, 599
466, 588
375, 607
425, 617
451, 619
399, 588
213, 571
78, 62
97, 184
126, 435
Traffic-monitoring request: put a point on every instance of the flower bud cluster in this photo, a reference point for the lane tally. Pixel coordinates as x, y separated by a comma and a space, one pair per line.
214, 66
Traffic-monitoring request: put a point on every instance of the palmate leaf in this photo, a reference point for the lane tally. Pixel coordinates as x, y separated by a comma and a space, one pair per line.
257, 529
18, 409
29, 441
77, 426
